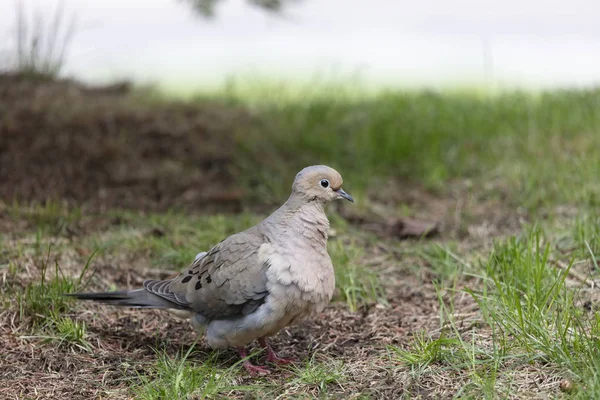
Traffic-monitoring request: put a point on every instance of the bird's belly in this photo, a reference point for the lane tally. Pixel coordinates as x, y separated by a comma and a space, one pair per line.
298, 303
285, 305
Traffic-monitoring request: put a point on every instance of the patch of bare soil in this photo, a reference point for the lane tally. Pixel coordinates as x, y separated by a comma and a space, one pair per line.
106, 147
470, 216
123, 341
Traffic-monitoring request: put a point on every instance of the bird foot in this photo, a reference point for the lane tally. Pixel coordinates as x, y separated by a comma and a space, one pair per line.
255, 370
275, 359
252, 369
272, 357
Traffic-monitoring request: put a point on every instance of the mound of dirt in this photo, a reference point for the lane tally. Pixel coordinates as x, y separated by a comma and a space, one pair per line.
106, 147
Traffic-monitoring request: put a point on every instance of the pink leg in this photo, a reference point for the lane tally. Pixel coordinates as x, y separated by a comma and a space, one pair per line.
271, 356
251, 368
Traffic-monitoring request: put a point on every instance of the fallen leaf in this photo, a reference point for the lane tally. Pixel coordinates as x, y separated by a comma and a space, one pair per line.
413, 228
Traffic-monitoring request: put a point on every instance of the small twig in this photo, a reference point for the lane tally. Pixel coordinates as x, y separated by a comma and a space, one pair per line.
574, 274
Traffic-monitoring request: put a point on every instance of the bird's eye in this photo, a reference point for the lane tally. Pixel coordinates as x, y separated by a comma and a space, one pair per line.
324, 183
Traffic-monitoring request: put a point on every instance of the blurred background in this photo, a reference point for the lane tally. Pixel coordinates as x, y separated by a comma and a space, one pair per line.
136, 133
380, 43
208, 102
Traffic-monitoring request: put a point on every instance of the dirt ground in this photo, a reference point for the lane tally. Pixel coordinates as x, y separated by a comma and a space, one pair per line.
106, 147
103, 148
127, 337
124, 341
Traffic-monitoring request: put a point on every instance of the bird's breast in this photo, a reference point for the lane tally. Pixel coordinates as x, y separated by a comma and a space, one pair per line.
302, 280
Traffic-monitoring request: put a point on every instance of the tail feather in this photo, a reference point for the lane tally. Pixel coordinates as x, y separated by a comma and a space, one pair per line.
139, 298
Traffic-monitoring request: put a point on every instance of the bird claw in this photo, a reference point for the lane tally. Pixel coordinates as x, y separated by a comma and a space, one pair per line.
275, 359
255, 370
252, 369
272, 357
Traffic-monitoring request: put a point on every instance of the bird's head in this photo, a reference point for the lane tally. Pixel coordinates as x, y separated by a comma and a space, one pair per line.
320, 183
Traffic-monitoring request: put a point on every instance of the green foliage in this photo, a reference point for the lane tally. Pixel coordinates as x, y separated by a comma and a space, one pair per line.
539, 148
43, 303
534, 312
586, 235
173, 239
446, 265
179, 378
319, 375
52, 217
357, 285
44, 300
424, 350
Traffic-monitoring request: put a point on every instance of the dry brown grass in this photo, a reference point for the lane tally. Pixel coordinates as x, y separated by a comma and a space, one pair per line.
122, 342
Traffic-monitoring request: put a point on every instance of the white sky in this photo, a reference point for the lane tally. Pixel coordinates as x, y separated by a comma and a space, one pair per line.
428, 42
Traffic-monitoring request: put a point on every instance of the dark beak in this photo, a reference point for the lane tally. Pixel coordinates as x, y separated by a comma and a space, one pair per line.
345, 195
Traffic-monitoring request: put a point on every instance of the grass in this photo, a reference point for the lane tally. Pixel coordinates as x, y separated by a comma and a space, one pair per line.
171, 239
443, 262
510, 140
42, 301
50, 218
319, 376
424, 351
41, 42
534, 317
528, 300
177, 378
586, 235
500, 305
182, 376
358, 286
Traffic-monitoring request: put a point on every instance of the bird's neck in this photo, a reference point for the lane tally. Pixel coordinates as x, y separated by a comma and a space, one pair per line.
307, 219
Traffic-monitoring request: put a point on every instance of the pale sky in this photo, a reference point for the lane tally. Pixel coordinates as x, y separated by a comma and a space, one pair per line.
429, 42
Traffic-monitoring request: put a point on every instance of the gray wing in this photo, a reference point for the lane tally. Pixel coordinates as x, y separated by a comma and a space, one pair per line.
227, 282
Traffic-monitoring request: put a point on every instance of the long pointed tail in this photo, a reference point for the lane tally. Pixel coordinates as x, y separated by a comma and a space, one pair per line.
139, 298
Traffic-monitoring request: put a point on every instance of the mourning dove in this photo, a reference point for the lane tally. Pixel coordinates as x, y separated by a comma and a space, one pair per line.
256, 282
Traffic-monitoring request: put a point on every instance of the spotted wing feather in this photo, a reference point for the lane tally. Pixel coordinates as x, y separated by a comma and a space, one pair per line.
229, 281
